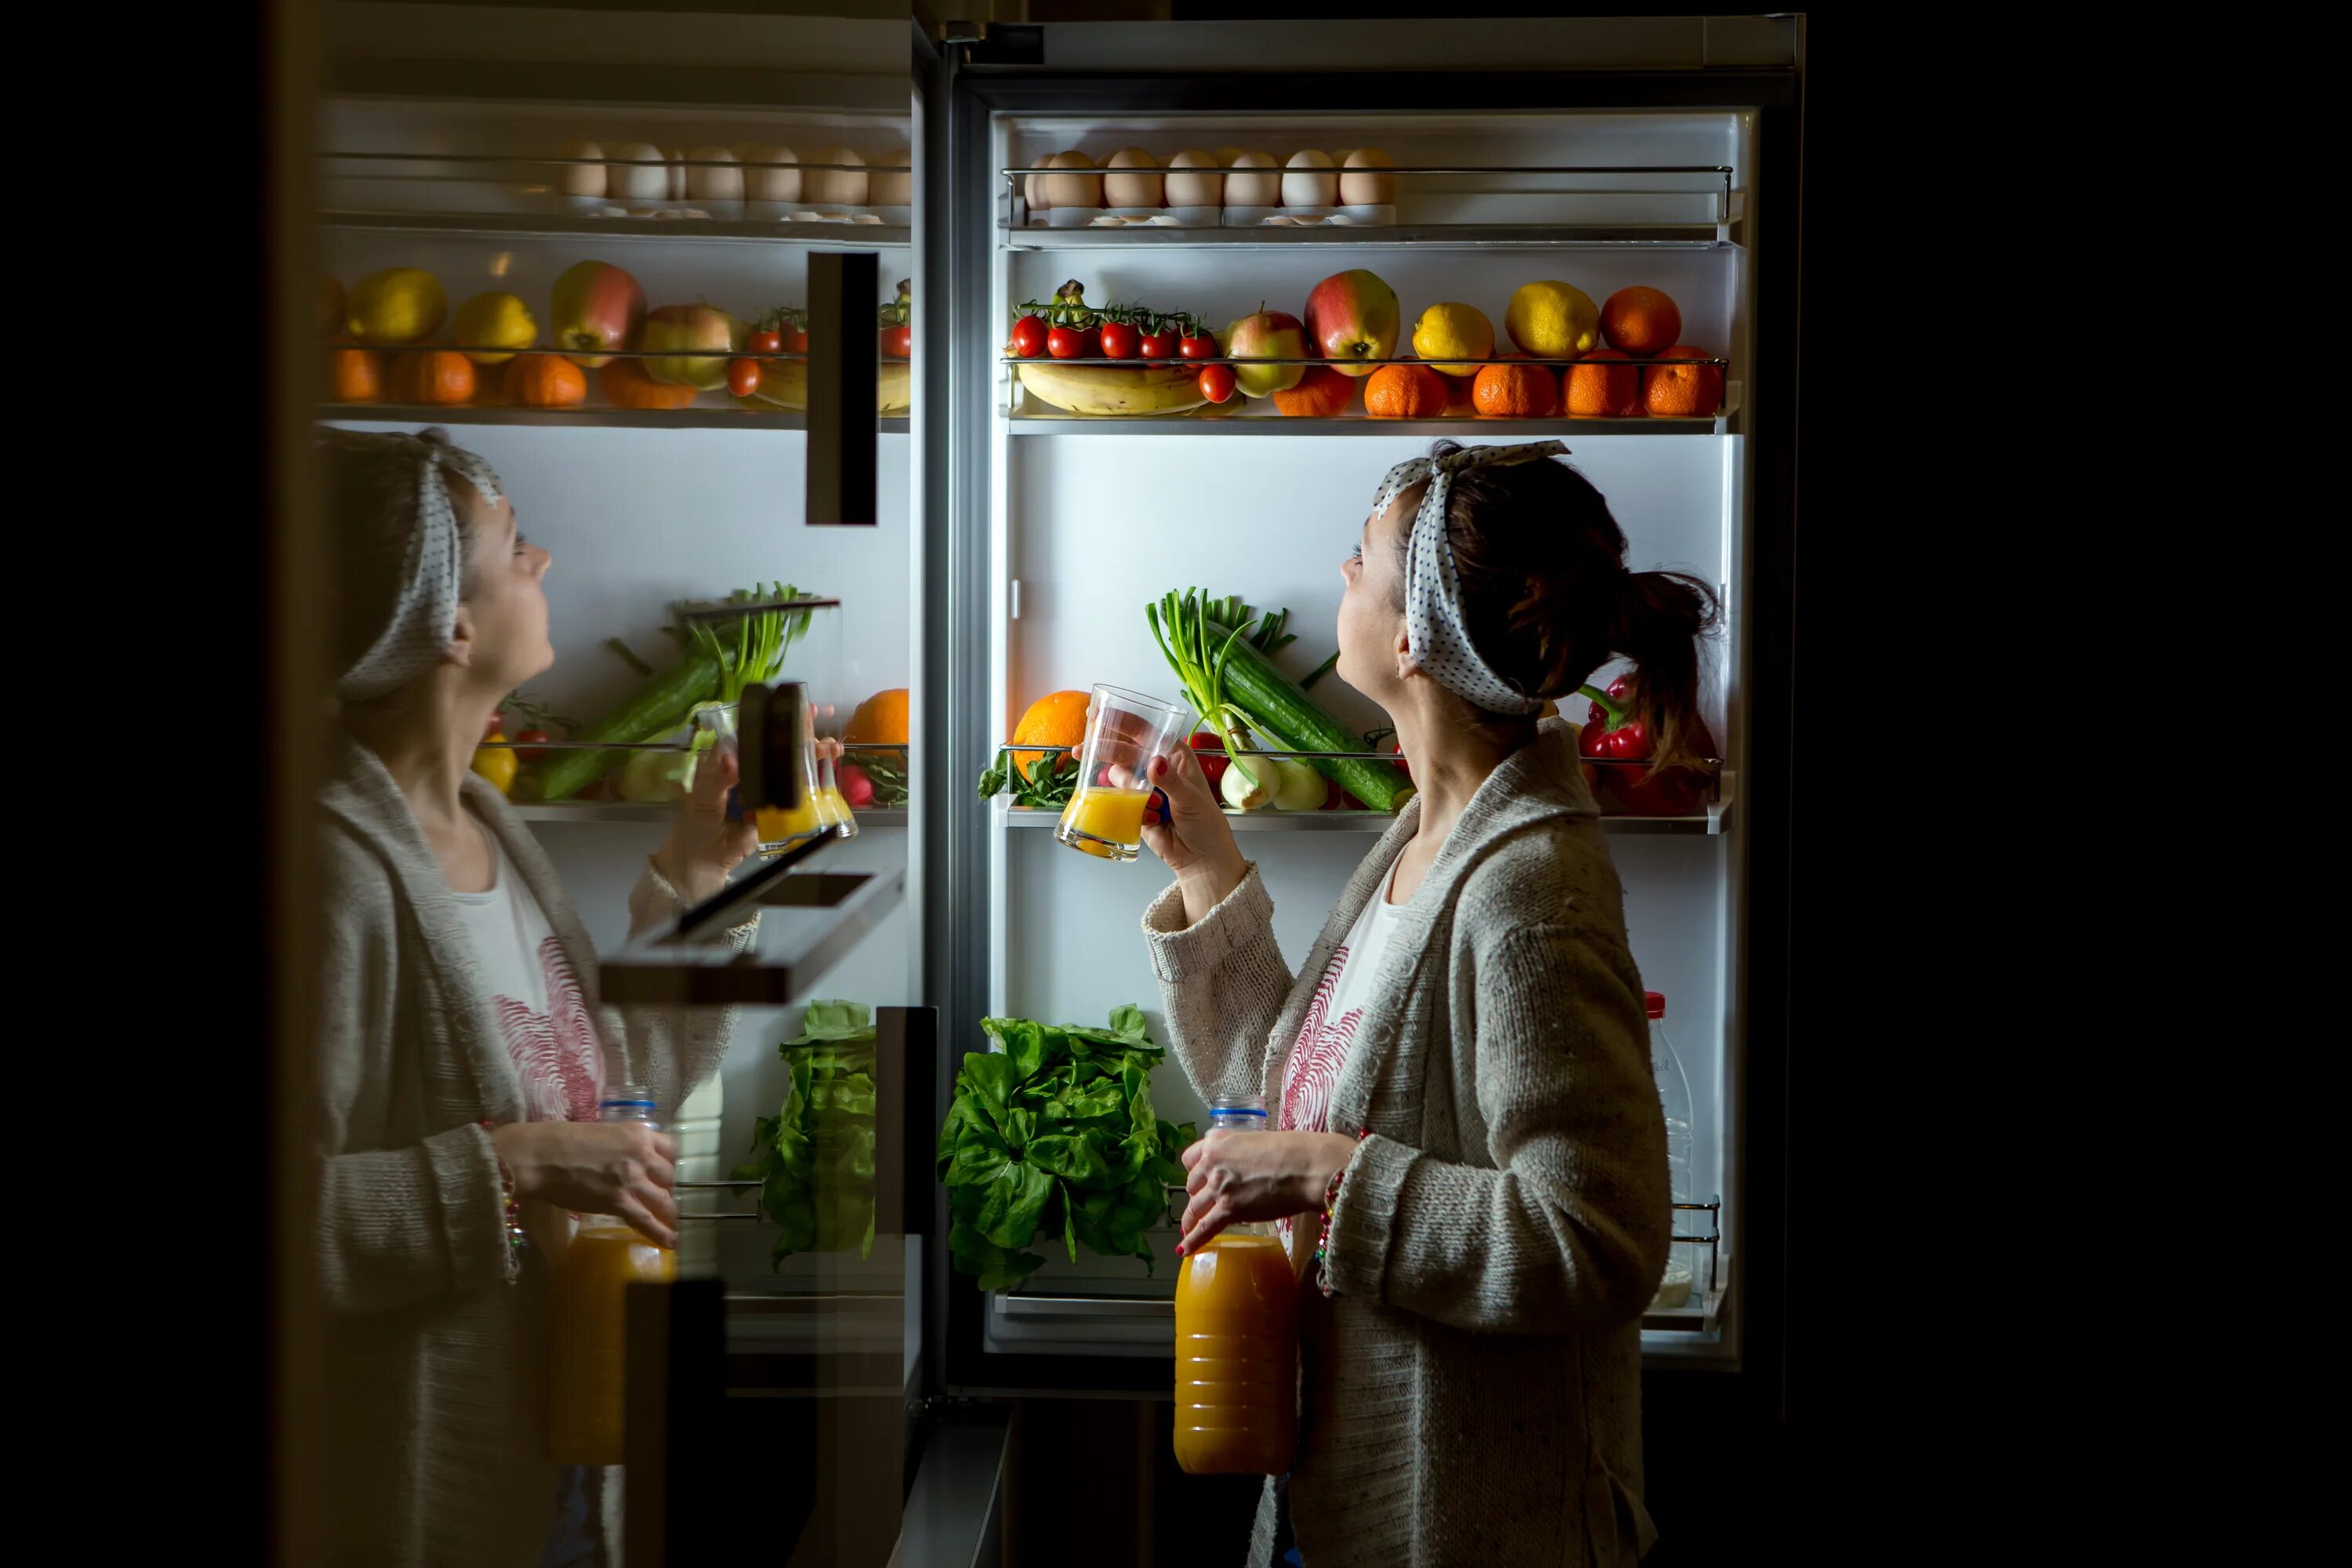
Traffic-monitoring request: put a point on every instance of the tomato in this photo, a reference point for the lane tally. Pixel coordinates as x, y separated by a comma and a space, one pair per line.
742, 377
1209, 753
766, 343
1118, 340
1216, 382
497, 722
1159, 345
855, 787
898, 342
1065, 342
796, 340
1203, 346
1029, 336
526, 746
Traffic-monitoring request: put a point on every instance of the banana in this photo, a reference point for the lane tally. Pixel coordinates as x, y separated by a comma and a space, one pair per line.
784, 384
1114, 389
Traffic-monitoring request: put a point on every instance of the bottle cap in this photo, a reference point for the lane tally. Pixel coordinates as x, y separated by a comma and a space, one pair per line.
1656, 1003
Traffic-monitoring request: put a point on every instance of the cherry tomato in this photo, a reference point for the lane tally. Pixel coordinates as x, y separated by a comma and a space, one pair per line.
497, 722
742, 377
1065, 342
1209, 753
1406, 768
898, 342
1120, 339
1159, 345
1216, 382
526, 747
1202, 346
796, 340
1029, 336
766, 343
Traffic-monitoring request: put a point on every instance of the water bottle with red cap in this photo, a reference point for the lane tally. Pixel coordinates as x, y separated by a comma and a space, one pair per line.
1673, 1094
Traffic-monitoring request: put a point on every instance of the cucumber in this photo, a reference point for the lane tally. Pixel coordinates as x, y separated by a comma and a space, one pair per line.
1287, 720
655, 709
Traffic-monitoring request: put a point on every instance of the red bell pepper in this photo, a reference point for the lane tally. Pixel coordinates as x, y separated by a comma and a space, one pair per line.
1615, 732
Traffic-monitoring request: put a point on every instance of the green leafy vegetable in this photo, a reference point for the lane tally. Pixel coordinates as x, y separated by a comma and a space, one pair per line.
814, 1159
1046, 786
1054, 1132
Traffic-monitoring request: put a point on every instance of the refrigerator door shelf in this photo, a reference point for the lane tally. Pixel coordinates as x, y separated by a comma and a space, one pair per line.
1028, 415
584, 226
715, 414
808, 924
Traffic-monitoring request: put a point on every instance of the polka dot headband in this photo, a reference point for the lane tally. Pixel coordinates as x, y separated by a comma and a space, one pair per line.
1436, 632
425, 616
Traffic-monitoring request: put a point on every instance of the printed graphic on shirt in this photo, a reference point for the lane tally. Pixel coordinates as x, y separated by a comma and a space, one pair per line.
555, 1053
1315, 1057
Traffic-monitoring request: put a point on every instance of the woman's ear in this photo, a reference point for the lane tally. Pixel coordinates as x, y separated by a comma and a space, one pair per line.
460, 651
1407, 666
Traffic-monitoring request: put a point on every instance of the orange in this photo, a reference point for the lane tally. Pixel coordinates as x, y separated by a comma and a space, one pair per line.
1681, 391
880, 720
546, 381
356, 375
1404, 392
1056, 718
432, 375
1321, 392
1640, 322
1513, 389
1595, 389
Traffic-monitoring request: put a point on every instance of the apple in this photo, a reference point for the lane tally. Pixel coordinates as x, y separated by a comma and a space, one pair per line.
1269, 334
1353, 316
596, 306
683, 327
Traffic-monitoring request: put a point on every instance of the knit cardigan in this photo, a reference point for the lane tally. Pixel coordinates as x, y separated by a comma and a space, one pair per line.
437, 1419
1470, 1393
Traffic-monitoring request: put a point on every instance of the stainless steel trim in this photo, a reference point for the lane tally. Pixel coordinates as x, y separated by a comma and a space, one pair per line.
1376, 237
564, 225
631, 811
713, 418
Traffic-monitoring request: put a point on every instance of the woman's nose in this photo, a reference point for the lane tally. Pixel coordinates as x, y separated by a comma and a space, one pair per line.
546, 558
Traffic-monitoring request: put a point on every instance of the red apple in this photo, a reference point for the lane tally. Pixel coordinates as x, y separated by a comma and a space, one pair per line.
1353, 316
596, 306
680, 327
1269, 334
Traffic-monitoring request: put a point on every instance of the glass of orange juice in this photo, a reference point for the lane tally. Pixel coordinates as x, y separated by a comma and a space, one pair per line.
1124, 729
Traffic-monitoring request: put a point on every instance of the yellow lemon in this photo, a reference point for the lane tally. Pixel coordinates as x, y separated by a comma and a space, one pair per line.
1454, 332
398, 305
494, 321
1553, 321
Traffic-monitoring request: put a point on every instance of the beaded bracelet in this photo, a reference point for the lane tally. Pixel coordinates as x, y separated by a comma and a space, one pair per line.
1323, 1235
517, 1238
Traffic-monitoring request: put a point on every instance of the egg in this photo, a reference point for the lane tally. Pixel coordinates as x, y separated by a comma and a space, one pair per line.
1309, 190
1072, 190
1246, 188
1366, 190
746, 152
889, 187
639, 174
1228, 156
678, 173
1194, 190
770, 184
836, 187
721, 184
1342, 156
581, 179
1132, 190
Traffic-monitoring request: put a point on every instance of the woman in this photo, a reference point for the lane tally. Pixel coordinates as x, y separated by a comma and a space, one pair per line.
463, 1051
1467, 1137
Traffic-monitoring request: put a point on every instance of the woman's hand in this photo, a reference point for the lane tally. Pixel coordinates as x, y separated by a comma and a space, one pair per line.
621, 1168
703, 846
1192, 835
1238, 1177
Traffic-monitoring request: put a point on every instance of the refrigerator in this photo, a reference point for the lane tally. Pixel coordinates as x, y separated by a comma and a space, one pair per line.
980, 547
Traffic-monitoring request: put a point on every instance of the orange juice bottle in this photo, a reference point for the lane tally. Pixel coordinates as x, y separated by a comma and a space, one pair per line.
589, 1367
1237, 1341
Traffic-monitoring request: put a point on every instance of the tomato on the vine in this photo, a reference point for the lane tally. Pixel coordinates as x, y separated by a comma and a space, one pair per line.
1159, 345
1199, 346
497, 722
1090, 343
796, 340
743, 376
765, 342
1216, 382
1065, 342
529, 745
898, 342
1120, 339
1029, 336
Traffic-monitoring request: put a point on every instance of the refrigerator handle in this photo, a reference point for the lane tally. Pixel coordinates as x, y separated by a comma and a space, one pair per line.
842, 418
906, 1131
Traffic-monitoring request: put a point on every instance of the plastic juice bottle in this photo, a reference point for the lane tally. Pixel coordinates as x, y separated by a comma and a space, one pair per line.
1237, 1341
589, 1362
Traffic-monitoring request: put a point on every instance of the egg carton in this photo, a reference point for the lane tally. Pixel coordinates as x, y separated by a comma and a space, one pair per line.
823, 212
1309, 217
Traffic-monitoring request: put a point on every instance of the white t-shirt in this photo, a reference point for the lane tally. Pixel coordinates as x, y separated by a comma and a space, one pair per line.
1329, 1031
548, 1032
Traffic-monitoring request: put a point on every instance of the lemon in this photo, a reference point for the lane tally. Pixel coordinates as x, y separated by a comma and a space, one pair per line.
494, 321
398, 305
1454, 332
1553, 321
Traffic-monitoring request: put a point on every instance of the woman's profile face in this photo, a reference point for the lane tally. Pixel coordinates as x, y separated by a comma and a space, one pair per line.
505, 603
1371, 610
